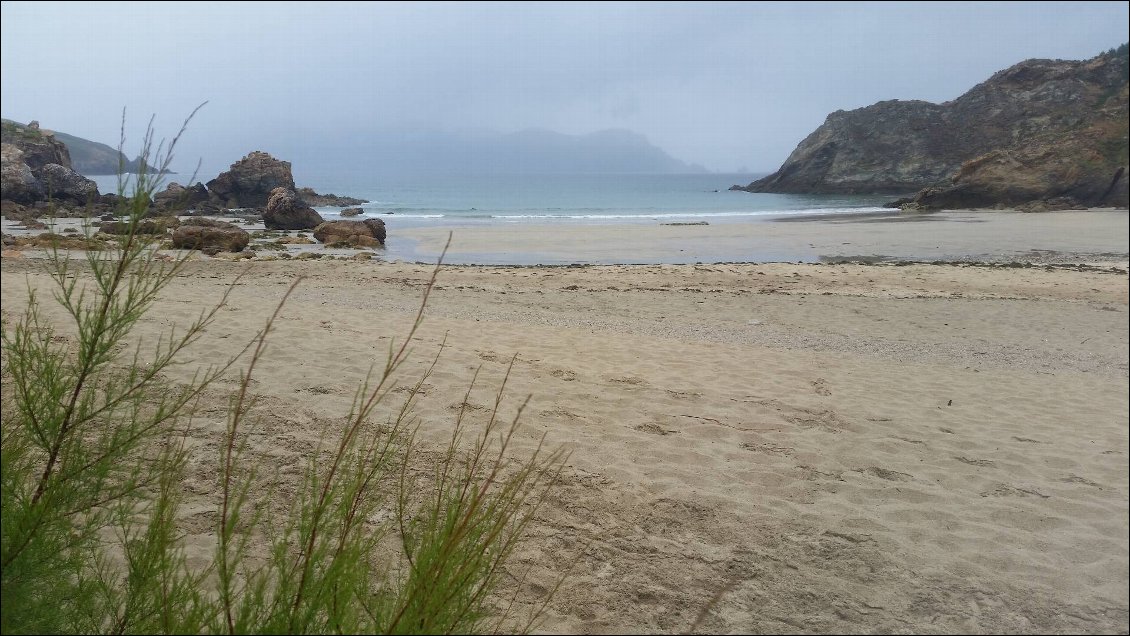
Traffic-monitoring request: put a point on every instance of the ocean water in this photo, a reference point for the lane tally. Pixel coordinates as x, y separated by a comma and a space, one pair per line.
577, 199
548, 201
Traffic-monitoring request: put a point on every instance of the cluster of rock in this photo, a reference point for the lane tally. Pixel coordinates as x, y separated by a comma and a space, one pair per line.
1044, 134
257, 186
248, 186
34, 167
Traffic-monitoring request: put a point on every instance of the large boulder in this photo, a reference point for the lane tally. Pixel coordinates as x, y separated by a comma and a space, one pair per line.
17, 183
144, 226
286, 211
63, 184
176, 197
251, 180
210, 237
36, 167
367, 233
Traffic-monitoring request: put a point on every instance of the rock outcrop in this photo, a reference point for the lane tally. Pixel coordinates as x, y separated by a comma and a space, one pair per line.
144, 226
1041, 130
250, 181
327, 200
286, 211
30, 150
40, 147
210, 237
367, 233
17, 183
177, 198
62, 183
36, 168
81, 155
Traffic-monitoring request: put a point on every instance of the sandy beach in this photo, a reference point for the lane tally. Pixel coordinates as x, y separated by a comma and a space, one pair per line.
952, 235
836, 448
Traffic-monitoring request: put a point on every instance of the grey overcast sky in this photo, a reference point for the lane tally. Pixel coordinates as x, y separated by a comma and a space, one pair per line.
724, 85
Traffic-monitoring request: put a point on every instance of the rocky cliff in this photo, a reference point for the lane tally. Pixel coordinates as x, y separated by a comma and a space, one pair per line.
1042, 130
39, 147
83, 156
35, 166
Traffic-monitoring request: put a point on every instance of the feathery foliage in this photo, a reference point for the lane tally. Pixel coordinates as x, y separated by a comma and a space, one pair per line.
94, 454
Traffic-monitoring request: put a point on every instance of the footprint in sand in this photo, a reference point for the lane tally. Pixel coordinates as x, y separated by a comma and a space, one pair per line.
820, 385
634, 381
1008, 490
768, 449
562, 374
1076, 479
987, 463
655, 429
883, 473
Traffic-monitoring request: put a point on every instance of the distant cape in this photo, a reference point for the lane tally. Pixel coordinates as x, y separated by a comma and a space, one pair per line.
422, 150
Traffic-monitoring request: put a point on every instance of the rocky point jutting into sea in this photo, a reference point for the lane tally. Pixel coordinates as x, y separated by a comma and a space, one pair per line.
1042, 134
38, 179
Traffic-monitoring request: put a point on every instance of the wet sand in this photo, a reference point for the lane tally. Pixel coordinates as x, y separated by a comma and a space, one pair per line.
997, 236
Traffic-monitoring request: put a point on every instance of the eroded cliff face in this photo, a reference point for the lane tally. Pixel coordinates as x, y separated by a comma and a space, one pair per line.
889, 147
39, 147
35, 166
1040, 130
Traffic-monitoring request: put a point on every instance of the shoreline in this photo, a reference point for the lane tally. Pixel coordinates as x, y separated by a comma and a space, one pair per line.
958, 236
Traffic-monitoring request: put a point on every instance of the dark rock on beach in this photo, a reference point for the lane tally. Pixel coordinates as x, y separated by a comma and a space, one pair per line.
210, 237
63, 184
286, 211
351, 212
177, 198
144, 226
367, 233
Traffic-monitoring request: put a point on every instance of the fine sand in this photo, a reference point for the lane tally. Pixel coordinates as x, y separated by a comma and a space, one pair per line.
829, 448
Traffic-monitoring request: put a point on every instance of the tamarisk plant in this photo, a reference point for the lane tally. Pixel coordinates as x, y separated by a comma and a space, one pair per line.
94, 455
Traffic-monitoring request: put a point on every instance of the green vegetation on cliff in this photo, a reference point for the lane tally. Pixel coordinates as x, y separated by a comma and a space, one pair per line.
87, 157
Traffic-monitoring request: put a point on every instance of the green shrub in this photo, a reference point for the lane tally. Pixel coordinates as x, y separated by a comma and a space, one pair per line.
94, 454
